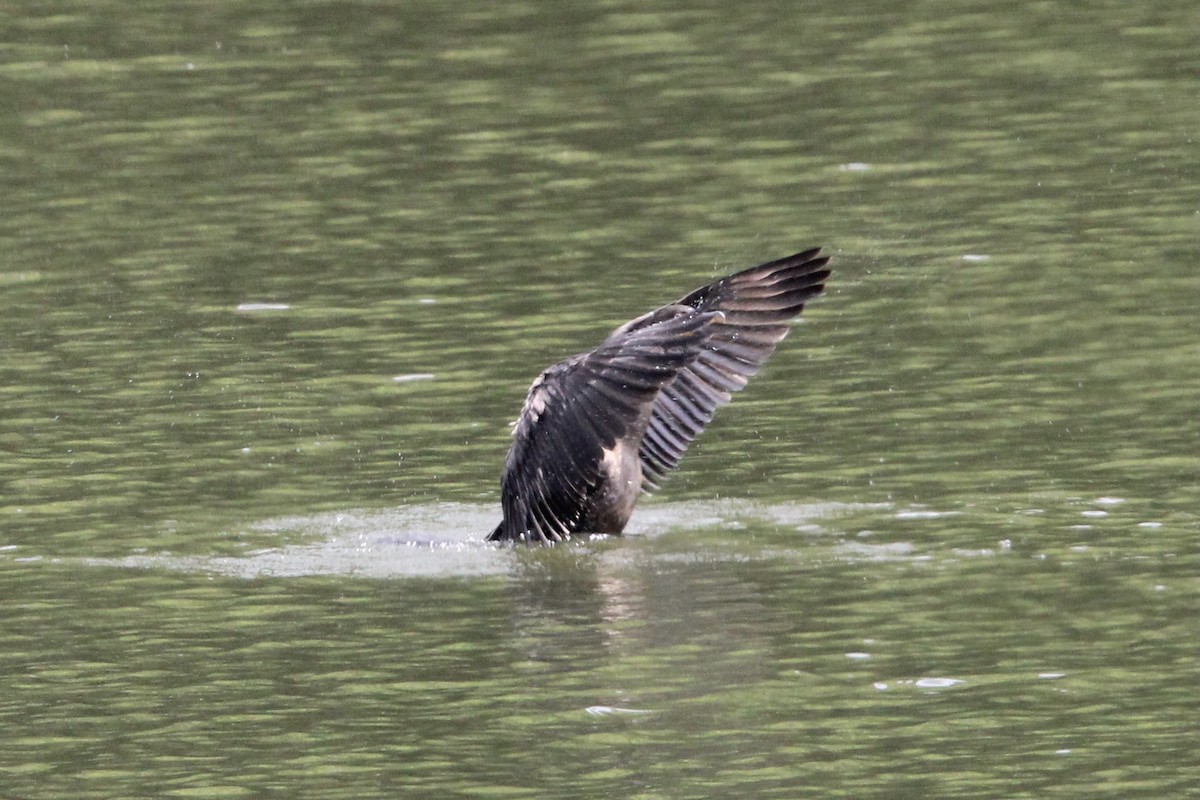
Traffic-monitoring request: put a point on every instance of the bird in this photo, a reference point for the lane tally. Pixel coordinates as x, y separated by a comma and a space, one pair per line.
602, 427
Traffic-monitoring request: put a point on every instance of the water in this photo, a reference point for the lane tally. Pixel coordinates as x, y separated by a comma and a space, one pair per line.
275, 280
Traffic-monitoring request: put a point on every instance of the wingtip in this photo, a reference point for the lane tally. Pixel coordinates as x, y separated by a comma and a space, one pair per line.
810, 258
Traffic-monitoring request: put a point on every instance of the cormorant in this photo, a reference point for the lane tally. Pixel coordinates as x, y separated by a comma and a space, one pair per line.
600, 427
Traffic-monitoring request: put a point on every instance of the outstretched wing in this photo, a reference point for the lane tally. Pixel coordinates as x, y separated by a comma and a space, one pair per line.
579, 408
757, 304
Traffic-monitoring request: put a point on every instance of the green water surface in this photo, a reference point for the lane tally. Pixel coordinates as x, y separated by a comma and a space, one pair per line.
275, 277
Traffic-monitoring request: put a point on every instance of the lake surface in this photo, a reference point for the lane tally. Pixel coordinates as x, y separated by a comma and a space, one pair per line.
275, 279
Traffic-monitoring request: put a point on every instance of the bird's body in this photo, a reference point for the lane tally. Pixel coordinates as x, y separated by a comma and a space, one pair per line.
600, 427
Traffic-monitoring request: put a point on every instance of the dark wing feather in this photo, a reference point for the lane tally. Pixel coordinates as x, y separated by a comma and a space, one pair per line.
757, 304
582, 406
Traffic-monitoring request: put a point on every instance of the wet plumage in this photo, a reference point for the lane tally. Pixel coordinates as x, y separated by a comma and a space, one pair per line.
600, 427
